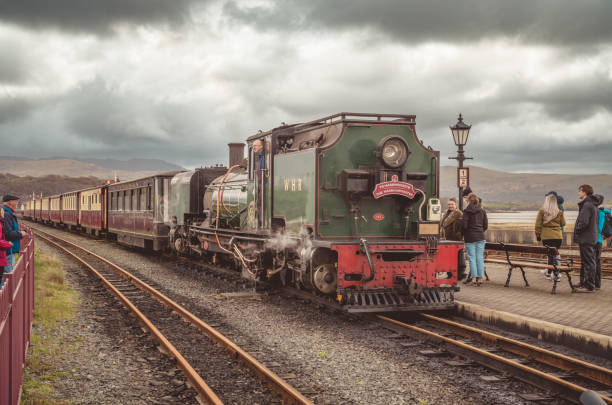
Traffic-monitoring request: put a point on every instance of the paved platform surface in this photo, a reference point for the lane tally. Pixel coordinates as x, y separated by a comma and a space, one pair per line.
588, 311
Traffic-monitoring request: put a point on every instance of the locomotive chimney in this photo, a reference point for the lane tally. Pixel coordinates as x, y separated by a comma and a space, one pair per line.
236, 153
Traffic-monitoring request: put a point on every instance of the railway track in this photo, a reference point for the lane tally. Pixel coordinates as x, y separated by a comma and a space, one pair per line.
566, 376
147, 303
606, 261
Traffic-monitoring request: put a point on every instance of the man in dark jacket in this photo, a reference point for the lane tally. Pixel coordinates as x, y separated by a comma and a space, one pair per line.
11, 229
585, 235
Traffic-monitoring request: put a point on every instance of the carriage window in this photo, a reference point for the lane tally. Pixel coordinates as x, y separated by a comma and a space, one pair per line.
162, 203
143, 199
149, 194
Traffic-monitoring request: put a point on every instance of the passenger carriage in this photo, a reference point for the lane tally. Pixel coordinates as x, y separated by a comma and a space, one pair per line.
55, 209
92, 210
70, 209
138, 212
44, 214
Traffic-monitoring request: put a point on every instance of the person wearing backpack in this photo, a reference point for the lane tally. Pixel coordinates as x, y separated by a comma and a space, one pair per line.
601, 221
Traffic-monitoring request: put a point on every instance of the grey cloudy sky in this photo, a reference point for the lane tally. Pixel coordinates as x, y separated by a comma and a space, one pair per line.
180, 79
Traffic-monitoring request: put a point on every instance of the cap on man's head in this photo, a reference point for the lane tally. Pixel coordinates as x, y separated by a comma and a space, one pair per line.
466, 192
9, 197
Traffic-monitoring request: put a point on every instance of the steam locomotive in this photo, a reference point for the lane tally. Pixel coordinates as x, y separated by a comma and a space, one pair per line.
345, 207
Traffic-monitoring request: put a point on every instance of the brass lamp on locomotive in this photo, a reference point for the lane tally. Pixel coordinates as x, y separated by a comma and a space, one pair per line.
345, 206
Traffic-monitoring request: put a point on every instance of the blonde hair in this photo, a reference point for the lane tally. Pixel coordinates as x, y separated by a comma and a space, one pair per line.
550, 208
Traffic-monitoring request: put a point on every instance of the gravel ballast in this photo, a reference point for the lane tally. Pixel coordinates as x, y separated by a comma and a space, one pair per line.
109, 358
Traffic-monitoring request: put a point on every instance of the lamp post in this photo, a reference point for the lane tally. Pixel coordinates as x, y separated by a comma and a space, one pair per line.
460, 133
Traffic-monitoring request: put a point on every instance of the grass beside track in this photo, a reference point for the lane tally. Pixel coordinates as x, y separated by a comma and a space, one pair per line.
55, 307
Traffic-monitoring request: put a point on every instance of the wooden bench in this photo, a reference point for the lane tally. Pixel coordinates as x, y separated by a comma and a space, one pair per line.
565, 266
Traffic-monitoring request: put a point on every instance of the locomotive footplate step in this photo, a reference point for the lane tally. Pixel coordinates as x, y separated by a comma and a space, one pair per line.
535, 397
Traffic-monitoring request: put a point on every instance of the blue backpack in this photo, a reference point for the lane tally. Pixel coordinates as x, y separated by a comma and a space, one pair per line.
607, 227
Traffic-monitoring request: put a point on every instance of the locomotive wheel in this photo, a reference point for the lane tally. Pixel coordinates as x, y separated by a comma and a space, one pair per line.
326, 279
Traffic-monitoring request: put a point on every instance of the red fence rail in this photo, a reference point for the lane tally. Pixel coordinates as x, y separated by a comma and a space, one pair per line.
16, 313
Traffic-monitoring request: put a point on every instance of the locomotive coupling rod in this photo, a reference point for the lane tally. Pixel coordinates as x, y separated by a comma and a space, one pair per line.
366, 250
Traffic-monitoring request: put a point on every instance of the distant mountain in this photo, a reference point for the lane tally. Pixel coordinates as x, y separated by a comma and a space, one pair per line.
156, 165
497, 186
23, 187
99, 168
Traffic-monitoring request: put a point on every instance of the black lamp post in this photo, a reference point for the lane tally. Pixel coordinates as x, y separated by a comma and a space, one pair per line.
460, 132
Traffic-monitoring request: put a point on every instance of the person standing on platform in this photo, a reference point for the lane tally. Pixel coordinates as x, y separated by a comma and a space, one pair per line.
585, 235
451, 228
11, 229
450, 225
4, 246
601, 218
475, 223
549, 223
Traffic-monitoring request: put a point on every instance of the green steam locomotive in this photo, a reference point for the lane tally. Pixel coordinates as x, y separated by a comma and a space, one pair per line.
345, 206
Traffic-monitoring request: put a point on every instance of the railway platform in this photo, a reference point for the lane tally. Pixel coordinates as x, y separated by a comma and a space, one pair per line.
577, 319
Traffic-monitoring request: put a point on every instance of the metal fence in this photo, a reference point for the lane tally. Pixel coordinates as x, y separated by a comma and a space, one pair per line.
16, 313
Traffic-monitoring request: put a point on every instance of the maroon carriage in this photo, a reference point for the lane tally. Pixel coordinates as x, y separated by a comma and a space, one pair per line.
92, 210
44, 211
55, 209
139, 211
70, 209
37, 209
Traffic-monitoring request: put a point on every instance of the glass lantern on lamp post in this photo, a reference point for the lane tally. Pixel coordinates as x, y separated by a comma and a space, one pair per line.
460, 132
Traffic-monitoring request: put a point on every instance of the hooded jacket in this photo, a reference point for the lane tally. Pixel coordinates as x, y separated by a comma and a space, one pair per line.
4, 246
451, 225
475, 223
585, 230
11, 230
550, 229
601, 219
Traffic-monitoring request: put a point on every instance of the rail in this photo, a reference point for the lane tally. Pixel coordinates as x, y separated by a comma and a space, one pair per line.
16, 314
530, 375
289, 394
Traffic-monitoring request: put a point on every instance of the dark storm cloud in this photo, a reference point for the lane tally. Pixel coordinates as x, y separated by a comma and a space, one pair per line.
582, 156
562, 22
92, 16
98, 111
110, 121
577, 99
